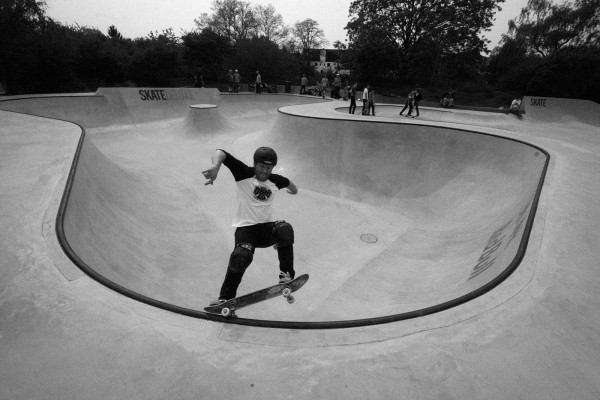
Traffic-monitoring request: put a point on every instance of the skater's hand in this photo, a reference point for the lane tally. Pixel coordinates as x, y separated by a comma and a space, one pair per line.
211, 174
292, 189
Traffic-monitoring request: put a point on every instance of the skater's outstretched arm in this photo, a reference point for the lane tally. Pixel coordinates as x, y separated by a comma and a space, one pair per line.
211, 173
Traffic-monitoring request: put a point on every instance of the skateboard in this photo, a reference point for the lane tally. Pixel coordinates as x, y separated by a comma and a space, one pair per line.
228, 308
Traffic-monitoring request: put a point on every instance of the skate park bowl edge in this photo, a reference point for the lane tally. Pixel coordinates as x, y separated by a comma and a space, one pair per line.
393, 220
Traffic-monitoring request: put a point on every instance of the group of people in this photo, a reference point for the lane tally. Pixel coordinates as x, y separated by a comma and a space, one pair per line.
322, 86
235, 78
368, 99
368, 94
412, 102
198, 81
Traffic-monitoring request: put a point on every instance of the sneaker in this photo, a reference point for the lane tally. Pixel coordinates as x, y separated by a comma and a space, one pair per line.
217, 302
284, 277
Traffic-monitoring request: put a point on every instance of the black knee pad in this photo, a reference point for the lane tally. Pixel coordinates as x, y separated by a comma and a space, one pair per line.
241, 257
283, 234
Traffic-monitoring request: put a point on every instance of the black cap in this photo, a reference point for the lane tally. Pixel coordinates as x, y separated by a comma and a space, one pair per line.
265, 155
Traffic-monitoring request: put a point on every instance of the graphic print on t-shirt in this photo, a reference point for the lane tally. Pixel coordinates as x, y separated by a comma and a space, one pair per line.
262, 193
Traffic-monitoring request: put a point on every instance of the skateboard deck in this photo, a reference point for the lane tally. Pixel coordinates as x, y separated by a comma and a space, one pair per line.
228, 308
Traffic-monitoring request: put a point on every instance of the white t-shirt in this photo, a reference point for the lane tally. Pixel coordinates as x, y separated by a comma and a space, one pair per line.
254, 203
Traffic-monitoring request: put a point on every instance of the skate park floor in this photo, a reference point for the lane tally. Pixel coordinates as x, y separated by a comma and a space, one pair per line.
394, 216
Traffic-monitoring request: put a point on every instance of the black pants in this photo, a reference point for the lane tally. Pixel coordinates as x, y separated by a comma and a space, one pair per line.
352, 105
409, 104
262, 236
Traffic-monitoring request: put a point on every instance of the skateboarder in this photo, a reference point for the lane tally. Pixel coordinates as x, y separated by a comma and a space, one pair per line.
256, 187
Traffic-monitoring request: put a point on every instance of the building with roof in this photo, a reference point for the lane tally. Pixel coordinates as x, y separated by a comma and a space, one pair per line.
327, 61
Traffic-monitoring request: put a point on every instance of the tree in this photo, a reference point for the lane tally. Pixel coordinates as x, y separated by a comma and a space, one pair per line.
436, 28
275, 64
205, 52
372, 57
233, 19
308, 34
270, 24
455, 23
114, 33
157, 59
19, 22
551, 50
545, 28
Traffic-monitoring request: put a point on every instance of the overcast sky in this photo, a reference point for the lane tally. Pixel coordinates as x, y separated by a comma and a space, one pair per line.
137, 18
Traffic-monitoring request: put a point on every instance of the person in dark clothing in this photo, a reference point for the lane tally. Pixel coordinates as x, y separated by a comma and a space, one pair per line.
410, 103
256, 187
447, 99
418, 97
352, 94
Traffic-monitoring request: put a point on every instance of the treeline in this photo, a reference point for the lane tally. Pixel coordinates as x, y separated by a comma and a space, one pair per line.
548, 50
551, 50
58, 58
40, 55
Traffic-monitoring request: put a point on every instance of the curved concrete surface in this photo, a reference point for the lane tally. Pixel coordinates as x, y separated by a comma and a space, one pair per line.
448, 211
418, 223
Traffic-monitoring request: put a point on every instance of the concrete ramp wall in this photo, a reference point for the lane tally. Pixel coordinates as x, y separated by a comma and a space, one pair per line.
142, 230
392, 220
553, 109
113, 106
461, 200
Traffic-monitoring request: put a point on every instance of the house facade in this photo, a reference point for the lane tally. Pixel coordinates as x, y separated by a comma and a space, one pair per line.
327, 61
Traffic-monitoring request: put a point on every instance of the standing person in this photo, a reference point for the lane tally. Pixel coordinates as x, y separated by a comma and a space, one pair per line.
365, 100
324, 84
352, 95
418, 97
230, 80
237, 78
371, 101
256, 187
337, 86
258, 83
410, 103
303, 83
198, 81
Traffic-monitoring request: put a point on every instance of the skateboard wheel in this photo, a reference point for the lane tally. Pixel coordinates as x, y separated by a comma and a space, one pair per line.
226, 312
287, 292
290, 299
